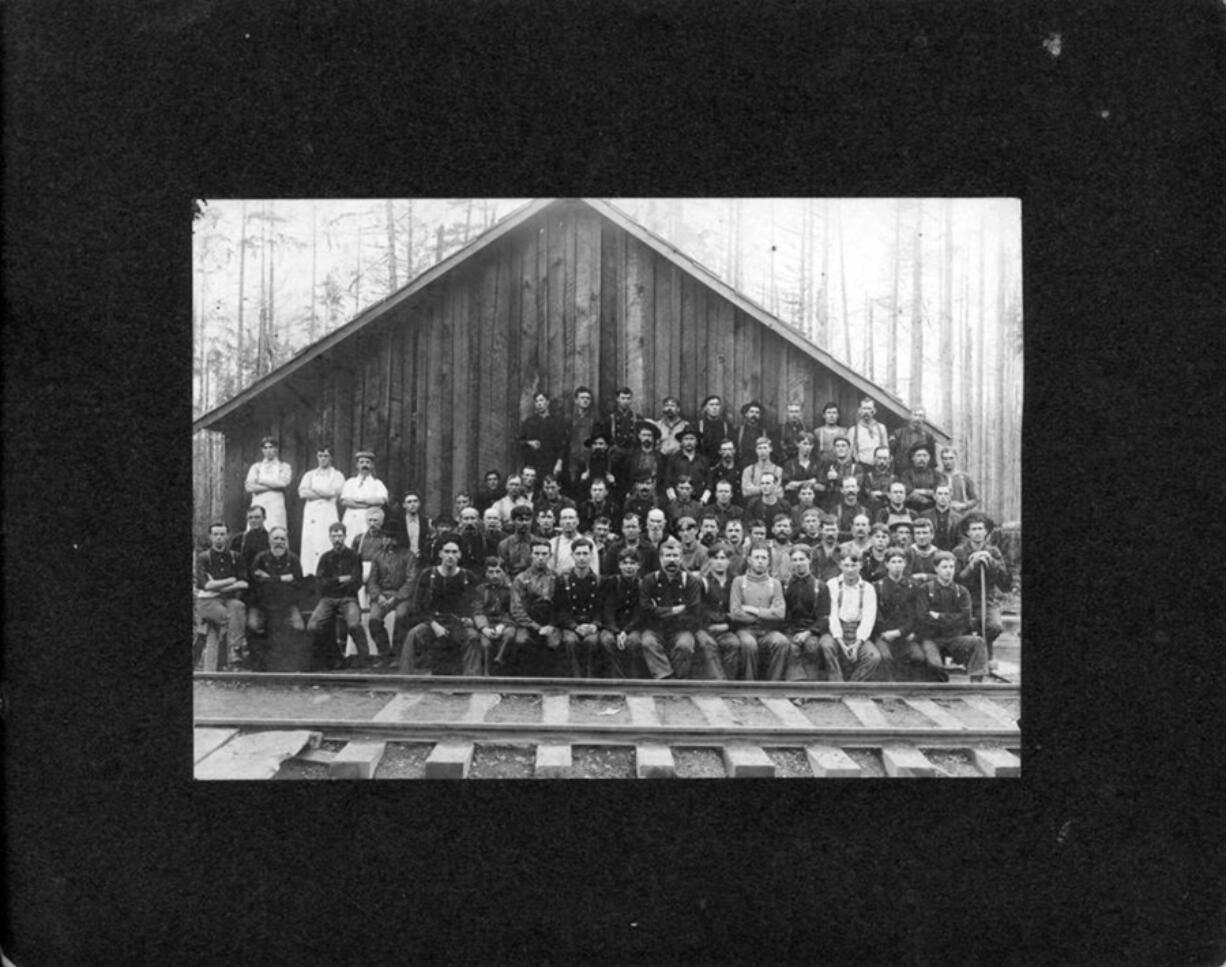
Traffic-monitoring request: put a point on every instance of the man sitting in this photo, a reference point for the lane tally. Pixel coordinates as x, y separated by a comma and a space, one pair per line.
623, 617
688, 463
684, 504
895, 507
715, 634
447, 598
826, 553
598, 504
516, 550
982, 570
670, 610
390, 588
877, 482
725, 468
758, 610
838, 471
493, 618
808, 618
943, 608
277, 576
849, 651
768, 503
921, 556
849, 508
578, 607
693, 554
221, 579
339, 575
537, 636
900, 650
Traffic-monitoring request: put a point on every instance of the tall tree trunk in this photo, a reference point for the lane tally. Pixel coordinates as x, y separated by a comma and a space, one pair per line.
735, 243
826, 340
242, 295
838, 208
980, 410
891, 343
800, 317
916, 381
313, 334
1001, 441
966, 404
408, 247
438, 245
270, 360
947, 314
261, 345
468, 220
870, 362
392, 283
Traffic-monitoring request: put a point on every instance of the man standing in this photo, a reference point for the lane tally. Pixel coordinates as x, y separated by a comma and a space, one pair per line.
684, 504
802, 469
472, 543
492, 533
515, 497
828, 432
725, 509
579, 429
713, 428
490, 492
318, 491
876, 483
671, 425
221, 578
849, 651
641, 502
749, 432
758, 610
945, 520
543, 438
781, 548
751, 476
687, 462
552, 497
808, 618
943, 608
631, 540
859, 541
266, 482
921, 480
537, 636
598, 465
579, 606
963, 496
826, 555
623, 435
842, 467
790, 432
670, 608
339, 576
867, 434
447, 599
361, 491
646, 463
921, 555
912, 435
982, 570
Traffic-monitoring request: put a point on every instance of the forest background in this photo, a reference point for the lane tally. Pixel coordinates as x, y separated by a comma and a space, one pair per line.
922, 296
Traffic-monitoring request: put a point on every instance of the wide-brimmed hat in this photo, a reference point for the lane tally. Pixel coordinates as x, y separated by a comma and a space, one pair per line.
598, 433
922, 445
642, 425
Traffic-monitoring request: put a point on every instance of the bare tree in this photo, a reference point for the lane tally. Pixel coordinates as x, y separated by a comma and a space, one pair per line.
916, 381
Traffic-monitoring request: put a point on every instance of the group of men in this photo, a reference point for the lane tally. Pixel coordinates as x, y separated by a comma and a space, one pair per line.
662, 548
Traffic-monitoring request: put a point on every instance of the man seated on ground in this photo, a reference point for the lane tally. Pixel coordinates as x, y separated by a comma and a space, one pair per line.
493, 618
945, 520
901, 652
390, 590
277, 578
516, 550
768, 503
685, 504
807, 601
537, 636
876, 482
921, 479
693, 554
849, 508
579, 606
447, 599
859, 542
849, 652
757, 610
837, 471
670, 616
338, 576
921, 555
687, 462
943, 609
963, 495
221, 579
982, 570
826, 553
623, 617
715, 632
873, 567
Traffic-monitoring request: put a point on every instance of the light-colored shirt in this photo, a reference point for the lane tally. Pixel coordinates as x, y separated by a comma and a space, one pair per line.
852, 605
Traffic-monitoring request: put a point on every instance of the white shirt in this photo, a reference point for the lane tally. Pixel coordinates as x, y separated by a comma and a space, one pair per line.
852, 604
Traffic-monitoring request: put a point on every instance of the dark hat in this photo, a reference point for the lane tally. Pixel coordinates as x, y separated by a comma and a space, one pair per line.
598, 433
687, 430
521, 512
975, 517
369, 454
745, 408
671, 399
647, 425
713, 396
922, 445
681, 521
902, 522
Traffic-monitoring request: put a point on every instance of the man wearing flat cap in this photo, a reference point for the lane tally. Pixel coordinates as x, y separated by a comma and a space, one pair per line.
361, 491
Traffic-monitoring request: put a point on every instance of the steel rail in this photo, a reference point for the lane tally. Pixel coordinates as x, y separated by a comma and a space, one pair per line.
572, 733
615, 686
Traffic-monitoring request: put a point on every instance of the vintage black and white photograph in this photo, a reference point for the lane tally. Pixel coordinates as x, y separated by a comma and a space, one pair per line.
607, 488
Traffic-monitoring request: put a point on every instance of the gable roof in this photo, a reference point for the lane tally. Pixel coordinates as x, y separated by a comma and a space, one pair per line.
502, 228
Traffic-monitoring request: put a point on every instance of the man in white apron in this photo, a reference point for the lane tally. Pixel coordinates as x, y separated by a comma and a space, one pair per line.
266, 482
361, 491
318, 490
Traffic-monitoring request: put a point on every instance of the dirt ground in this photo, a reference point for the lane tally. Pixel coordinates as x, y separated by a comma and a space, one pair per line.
247, 700
900, 714
599, 709
502, 762
790, 763
679, 711
828, 713
595, 762
751, 712
516, 708
698, 763
404, 760
954, 762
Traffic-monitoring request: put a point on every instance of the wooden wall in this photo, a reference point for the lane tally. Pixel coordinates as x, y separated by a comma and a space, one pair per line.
438, 386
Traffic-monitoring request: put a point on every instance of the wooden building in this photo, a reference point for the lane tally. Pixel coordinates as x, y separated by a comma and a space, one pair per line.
436, 378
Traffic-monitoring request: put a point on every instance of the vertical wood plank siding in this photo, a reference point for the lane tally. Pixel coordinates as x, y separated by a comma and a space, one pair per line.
439, 386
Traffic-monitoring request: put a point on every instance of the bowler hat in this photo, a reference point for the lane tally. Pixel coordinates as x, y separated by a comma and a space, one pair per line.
687, 430
597, 434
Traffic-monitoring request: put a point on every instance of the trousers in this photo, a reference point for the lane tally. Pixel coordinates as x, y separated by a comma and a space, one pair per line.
668, 654
228, 615
840, 668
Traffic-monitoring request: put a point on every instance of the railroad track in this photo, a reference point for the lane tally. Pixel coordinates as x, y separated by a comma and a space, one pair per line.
908, 727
